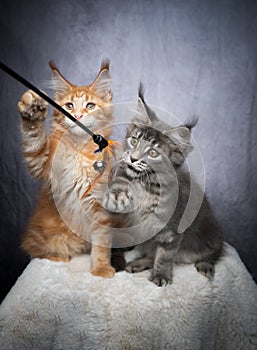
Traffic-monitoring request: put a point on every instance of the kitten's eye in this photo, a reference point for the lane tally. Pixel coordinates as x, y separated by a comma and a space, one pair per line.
153, 153
133, 141
69, 105
90, 105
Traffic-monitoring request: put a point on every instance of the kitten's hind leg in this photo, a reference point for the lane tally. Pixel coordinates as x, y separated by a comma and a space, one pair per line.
206, 264
139, 265
205, 268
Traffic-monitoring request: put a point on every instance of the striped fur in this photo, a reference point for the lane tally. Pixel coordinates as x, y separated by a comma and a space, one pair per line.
150, 189
66, 223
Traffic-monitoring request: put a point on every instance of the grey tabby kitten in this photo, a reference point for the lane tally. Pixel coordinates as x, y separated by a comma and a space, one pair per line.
150, 187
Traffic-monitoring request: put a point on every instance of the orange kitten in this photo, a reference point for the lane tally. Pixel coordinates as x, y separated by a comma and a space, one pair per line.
66, 222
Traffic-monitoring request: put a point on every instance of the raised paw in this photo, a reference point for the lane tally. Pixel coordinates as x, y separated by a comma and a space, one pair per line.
160, 280
32, 107
106, 271
118, 200
205, 268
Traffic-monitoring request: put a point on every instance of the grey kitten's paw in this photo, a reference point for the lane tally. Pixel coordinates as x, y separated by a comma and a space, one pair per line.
161, 280
139, 265
134, 269
118, 200
205, 268
32, 107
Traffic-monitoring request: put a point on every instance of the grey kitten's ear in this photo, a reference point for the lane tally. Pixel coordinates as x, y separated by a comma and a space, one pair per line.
144, 114
102, 83
141, 116
180, 137
190, 123
60, 85
181, 134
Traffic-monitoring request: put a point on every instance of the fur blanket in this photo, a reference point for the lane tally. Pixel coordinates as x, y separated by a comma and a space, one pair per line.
62, 306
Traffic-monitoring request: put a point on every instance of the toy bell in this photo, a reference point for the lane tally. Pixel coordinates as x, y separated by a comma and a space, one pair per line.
99, 166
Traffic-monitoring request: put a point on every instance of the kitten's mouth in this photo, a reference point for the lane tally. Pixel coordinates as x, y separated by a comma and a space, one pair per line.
83, 120
139, 168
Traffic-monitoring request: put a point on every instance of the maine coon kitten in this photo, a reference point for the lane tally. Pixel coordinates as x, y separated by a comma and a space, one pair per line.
67, 217
150, 187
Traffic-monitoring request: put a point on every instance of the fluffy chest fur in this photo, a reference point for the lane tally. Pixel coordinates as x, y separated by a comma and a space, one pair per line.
72, 176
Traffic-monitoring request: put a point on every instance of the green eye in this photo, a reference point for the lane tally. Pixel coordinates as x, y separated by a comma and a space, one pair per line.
69, 105
90, 105
153, 153
133, 141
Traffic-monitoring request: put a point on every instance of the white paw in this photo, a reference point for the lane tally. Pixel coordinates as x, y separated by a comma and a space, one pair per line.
32, 107
118, 200
160, 280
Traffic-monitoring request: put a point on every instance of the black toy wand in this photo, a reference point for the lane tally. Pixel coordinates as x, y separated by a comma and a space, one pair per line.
98, 139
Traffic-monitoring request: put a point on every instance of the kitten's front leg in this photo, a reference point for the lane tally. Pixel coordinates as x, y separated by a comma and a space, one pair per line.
162, 272
101, 254
33, 111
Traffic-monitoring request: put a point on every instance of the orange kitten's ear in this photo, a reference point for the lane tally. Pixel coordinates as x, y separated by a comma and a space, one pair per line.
102, 83
60, 85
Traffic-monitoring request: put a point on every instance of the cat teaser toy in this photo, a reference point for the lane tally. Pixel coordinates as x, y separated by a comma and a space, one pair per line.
98, 165
98, 139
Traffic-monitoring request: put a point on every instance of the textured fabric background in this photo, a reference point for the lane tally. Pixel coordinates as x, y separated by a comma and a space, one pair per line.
195, 57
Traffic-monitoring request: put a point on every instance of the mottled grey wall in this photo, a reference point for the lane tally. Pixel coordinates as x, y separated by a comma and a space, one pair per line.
195, 57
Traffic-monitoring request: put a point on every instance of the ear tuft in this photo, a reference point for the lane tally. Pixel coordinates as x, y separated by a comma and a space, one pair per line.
53, 65
191, 122
141, 91
145, 115
105, 64
141, 116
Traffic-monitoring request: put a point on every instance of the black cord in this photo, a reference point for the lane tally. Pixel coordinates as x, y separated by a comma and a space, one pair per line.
98, 139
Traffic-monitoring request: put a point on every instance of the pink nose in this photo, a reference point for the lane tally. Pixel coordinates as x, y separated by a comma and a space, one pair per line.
78, 115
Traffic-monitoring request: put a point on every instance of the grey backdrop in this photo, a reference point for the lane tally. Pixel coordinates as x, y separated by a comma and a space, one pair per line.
195, 57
